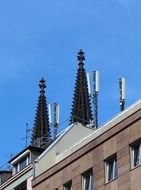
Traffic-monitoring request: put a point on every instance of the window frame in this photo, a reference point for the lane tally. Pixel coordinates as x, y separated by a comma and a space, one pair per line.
17, 167
88, 173
132, 154
111, 160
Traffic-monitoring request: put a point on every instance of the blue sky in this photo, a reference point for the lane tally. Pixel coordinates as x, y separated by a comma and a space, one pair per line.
41, 39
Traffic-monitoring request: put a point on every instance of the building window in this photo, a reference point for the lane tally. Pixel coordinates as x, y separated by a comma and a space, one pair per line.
16, 168
87, 180
136, 154
21, 164
68, 186
111, 168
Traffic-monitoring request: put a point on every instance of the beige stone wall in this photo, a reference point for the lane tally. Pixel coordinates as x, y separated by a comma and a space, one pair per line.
75, 134
116, 140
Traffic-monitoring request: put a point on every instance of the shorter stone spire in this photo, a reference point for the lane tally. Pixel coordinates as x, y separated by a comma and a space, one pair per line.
81, 109
41, 132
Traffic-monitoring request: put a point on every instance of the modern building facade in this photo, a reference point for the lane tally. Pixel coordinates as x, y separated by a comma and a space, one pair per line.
108, 158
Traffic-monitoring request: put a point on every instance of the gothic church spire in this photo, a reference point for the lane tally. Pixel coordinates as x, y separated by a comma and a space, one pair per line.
81, 109
41, 132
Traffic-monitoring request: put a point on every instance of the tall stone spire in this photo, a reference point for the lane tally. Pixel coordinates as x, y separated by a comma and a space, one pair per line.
41, 132
81, 109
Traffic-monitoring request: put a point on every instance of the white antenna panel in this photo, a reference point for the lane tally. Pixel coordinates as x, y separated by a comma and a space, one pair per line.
88, 80
57, 113
96, 81
123, 86
49, 113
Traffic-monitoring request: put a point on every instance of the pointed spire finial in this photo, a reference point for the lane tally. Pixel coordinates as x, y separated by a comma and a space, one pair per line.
81, 56
42, 86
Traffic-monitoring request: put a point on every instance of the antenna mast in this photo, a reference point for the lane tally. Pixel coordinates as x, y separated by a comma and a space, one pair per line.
26, 134
122, 93
56, 119
95, 97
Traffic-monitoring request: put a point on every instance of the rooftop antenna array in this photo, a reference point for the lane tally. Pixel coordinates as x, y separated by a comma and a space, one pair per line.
122, 87
94, 78
56, 116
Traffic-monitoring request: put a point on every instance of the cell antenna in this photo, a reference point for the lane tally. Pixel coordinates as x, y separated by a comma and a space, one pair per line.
93, 83
89, 87
56, 119
49, 114
95, 97
122, 87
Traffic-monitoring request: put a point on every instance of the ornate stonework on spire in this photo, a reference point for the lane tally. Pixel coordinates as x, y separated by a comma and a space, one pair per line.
81, 109
81, 57
41, 131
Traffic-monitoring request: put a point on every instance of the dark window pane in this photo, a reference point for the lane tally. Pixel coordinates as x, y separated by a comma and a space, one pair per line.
88, 181
136, 155
110, 174
68, 186
23, 164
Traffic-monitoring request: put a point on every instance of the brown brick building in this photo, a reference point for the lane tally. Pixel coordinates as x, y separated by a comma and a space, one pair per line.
107, 158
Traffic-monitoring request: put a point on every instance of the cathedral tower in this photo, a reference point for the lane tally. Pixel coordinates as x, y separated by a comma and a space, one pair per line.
81, 109
41, 132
